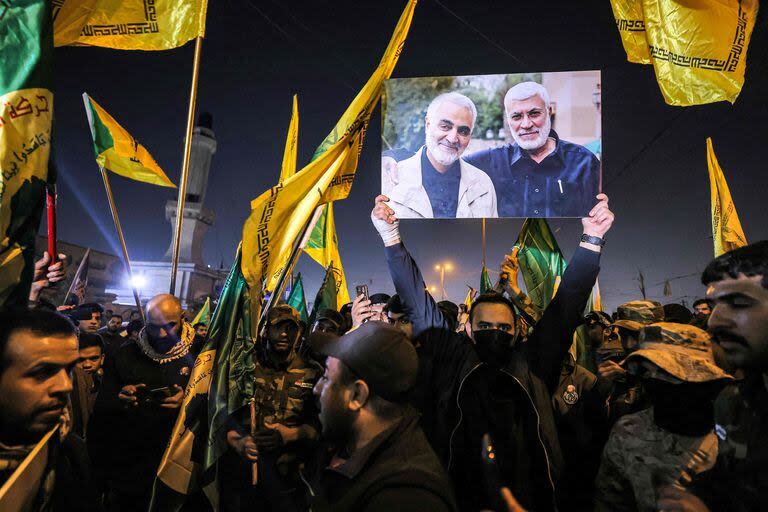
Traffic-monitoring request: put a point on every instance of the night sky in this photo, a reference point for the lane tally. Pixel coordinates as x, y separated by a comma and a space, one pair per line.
257, 53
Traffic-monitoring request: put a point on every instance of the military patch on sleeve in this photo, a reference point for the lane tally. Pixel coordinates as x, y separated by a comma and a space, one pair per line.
570, 395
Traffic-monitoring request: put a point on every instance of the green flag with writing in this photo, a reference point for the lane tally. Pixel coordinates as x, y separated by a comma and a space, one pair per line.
26, 113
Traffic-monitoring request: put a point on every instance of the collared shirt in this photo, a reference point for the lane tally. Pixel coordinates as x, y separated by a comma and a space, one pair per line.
564, 184
442, 187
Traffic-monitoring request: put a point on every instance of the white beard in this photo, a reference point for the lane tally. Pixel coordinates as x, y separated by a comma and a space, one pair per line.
440, 153
530, 145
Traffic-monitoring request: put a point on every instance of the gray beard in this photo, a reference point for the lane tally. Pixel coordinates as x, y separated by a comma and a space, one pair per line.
540, 140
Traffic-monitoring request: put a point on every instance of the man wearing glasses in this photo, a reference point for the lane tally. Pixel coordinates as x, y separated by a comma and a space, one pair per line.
436, 182
540, 175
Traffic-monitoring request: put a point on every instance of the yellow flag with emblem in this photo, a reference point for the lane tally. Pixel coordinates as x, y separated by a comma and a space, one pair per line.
128, 24
631, 25
117, 151
279, 215
699, 48
291, 141
323, 247
726, 228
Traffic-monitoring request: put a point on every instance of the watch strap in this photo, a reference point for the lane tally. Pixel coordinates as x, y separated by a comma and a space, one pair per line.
594, 240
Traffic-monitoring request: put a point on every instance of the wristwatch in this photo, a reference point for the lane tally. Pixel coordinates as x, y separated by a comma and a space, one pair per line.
594, 240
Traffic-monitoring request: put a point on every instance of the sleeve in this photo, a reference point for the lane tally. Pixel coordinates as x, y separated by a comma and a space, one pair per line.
418, 303
613, 492
552, 336
405, 499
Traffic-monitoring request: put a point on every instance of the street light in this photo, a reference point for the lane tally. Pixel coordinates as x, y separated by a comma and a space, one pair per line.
443, 268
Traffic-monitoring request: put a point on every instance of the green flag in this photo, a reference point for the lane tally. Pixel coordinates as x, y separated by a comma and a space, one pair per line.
297, 300
541, 261
220, 384
326, 295
26, 109
204, 315
485, 281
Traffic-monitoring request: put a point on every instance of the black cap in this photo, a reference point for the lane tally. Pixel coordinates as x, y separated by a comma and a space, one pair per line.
379, 354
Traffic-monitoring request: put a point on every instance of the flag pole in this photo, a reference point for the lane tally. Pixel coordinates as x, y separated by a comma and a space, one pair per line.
77, 275
116, 219
298, 245
483, 241
185, 164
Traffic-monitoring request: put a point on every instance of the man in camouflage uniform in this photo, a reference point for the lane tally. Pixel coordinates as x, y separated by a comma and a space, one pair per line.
627, 395
737, 283
285, 419
674, 440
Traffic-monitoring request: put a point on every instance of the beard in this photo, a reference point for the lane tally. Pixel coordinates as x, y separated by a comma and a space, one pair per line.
539, 141
440, 152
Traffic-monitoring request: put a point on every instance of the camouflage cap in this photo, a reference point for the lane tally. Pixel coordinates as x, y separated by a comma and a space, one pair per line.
283, 312
642, 311
683, 351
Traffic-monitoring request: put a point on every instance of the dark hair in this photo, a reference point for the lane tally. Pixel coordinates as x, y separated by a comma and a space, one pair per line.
89, 339
394, 305
134, 326
750, 260
379, 298
677, 313
491, 298
116, 315
39, 322
450, 313
381, 407
85, 311
708, 302
598, 316
198, 323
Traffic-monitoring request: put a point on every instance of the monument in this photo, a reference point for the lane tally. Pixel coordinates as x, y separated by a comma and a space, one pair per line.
194, 279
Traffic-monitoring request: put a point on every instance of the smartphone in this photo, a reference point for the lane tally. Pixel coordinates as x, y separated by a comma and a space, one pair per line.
362, 289
159, 394
492, 474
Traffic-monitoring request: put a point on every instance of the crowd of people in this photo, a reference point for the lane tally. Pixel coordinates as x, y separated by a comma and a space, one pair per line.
403, 403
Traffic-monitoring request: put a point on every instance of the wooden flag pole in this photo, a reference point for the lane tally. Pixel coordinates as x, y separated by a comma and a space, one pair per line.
116, 219
185, 164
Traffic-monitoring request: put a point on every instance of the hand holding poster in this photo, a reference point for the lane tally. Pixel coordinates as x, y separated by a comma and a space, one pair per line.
516, 145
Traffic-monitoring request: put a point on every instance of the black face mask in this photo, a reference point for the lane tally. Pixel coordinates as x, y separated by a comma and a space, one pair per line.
494, 346
686, 408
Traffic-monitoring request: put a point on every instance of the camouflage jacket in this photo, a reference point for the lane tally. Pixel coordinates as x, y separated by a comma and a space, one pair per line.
739, 481
640, 457
284, 395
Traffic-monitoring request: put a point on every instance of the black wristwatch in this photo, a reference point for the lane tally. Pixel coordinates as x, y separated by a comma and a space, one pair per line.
594, 240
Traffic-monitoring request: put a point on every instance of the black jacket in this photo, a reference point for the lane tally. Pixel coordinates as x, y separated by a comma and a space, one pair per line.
396, 471
450, 366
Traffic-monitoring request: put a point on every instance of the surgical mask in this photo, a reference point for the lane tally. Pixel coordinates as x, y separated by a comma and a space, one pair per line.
494, 346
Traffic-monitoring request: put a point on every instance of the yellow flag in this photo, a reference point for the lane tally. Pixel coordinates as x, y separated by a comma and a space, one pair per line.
323, 247
118, 152
289, 154
279, 215
726, 228
358, 113
595, 298
699, 47
128, 24
629, 20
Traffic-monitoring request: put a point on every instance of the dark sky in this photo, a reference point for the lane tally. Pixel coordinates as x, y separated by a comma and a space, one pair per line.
257, 53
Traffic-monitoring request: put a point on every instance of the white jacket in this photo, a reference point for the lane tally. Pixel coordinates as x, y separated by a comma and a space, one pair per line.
477, 197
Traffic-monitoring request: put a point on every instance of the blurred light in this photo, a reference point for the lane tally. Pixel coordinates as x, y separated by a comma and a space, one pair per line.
138, 281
